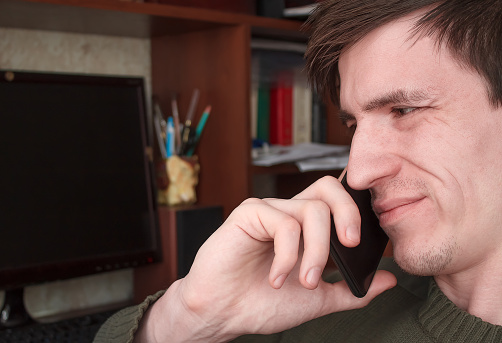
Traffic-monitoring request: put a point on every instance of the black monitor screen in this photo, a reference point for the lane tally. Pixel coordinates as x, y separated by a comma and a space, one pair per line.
76, 192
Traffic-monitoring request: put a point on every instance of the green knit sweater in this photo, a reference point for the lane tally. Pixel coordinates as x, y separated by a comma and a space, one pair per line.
414, 311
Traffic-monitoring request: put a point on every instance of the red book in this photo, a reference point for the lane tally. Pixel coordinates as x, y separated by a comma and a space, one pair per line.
281, 114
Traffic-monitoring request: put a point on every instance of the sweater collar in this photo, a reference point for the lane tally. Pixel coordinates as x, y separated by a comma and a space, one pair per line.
445, 322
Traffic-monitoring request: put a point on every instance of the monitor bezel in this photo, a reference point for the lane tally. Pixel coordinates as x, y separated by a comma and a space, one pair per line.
47, 272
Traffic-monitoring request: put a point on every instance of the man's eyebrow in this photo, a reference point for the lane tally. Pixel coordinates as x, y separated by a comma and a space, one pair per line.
399, 96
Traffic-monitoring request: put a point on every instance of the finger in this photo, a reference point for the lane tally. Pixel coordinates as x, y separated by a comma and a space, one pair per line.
338, 296
314, 217
286, 246
345, 212
269, 223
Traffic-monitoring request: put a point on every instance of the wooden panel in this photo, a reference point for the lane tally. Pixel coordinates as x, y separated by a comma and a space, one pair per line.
242, 6
154, 277
217, 63
125, 18
94, 20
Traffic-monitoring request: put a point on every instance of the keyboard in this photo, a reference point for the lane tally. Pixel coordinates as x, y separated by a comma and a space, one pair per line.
73, 330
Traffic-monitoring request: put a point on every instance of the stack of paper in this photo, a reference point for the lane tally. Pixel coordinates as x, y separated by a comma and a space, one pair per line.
307, 156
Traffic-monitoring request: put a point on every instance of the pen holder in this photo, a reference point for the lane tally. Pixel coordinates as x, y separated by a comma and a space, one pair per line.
178, 178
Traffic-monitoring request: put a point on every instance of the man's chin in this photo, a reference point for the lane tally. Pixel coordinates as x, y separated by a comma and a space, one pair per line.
429, 261
411, 269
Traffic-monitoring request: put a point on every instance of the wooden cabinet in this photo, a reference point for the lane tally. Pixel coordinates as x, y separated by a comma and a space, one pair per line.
190, 48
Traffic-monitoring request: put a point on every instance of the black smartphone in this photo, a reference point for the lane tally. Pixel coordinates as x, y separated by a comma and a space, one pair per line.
359, 264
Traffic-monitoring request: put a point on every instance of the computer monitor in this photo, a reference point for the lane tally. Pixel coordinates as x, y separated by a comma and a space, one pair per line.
77, 193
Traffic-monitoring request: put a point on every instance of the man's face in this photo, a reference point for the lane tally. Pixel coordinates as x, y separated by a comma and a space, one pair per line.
429, 146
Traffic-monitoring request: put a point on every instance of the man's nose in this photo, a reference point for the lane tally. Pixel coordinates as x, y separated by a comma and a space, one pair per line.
373, 156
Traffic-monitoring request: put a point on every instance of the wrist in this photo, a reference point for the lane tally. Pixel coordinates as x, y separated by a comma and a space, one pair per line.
170, 319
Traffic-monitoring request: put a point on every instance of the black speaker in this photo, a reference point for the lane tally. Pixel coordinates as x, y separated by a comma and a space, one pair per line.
183, 230
194, 225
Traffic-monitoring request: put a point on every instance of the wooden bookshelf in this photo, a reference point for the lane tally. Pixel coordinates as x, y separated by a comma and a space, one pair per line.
133, 19
190, 48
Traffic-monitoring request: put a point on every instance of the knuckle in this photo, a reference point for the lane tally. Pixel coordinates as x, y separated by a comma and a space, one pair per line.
251, 201
290, 224
328, 180
317, 207
244, 207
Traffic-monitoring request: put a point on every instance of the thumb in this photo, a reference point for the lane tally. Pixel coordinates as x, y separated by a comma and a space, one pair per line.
382, 281
342, 299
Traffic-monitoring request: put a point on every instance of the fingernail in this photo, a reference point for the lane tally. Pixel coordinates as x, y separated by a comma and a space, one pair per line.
352, 233
313, 276
280, 281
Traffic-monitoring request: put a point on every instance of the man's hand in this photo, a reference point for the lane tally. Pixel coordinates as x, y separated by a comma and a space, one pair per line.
260, 272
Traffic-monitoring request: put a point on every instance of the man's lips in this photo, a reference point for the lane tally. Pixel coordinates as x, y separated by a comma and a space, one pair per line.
390, 209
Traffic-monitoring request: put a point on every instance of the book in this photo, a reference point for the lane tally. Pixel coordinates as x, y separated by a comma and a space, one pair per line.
275, 71
254, 110
255, 62
281, 112
263, 113
318, 119
302, 108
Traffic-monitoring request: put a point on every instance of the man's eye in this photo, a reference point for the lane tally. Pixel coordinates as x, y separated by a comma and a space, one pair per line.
400, 112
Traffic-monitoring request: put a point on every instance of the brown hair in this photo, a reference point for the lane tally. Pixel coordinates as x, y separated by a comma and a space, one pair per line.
471, 29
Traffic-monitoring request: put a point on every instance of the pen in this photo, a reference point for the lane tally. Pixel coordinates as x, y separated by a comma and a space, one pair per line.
199, 129
158, 131
188, 121
177, 132
193, 104
170, 137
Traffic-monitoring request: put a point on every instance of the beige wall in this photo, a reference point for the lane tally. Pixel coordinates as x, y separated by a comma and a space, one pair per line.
64, 52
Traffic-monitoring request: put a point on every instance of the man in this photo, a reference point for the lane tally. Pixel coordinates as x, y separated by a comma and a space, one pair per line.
420, 82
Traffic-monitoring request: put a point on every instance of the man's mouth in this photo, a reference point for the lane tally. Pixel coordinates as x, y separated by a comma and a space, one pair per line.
391, 210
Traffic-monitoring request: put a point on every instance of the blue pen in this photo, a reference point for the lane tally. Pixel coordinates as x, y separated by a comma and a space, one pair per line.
170, 137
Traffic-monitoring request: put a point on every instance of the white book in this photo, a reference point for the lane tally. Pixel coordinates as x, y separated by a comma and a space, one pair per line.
255, 81
302, 108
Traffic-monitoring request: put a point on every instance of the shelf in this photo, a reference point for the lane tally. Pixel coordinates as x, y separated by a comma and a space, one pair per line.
131, 19
283, 168
287, 168
190, 48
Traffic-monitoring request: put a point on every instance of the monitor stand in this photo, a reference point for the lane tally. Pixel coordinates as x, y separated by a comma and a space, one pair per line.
13, 312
